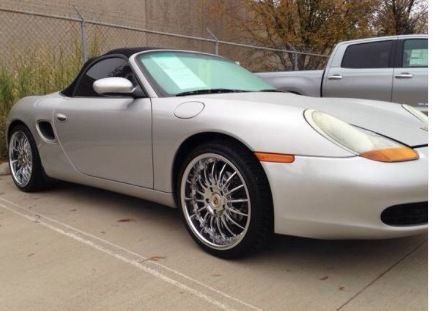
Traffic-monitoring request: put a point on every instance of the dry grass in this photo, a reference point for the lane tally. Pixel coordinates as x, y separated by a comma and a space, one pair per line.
37, 72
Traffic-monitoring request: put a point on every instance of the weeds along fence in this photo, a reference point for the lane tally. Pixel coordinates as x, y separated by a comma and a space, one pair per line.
41, 53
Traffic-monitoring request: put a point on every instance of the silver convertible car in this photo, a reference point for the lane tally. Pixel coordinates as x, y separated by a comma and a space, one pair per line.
239, 159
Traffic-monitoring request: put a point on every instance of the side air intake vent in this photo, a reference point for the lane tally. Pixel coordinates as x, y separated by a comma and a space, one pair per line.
406, 214
46, 130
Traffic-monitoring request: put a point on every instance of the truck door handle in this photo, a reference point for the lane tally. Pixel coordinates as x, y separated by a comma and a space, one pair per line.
335, 77
404, 75
61, 117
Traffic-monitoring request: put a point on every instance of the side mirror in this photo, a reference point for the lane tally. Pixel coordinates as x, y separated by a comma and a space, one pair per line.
119, 86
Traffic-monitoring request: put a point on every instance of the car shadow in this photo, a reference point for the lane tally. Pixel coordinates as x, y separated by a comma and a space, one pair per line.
342, 256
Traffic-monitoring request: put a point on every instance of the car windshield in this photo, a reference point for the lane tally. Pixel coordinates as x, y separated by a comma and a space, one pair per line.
186, 73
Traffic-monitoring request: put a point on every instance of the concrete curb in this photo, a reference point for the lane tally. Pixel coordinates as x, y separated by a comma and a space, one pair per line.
4, 169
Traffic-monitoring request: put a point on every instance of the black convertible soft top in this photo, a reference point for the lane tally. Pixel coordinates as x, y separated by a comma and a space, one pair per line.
126, 52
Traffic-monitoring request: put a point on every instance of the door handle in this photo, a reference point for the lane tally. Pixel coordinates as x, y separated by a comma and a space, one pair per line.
335, 77
404, 75
61, 117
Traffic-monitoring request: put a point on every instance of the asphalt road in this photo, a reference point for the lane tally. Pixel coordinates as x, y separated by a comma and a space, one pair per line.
78, 248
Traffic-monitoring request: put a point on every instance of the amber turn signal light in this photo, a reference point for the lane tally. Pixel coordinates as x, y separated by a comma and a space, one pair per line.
275, 157
391, 154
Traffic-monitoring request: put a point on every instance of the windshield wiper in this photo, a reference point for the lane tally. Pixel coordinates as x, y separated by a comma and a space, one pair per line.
210, 91
271, 90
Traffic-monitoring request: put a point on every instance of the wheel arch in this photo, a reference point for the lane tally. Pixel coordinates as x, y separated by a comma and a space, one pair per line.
195, 140
11, 126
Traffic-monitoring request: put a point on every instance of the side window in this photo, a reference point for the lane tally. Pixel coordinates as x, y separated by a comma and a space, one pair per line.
415, 53
368, 55
109, 67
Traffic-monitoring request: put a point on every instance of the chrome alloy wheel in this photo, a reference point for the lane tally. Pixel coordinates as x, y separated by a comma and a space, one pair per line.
215, 201
20, 158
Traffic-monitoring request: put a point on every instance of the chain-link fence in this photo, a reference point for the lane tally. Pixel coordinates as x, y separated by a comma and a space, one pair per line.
26, 33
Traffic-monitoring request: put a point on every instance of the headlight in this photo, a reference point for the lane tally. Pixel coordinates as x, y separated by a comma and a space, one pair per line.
358, 141
417, 114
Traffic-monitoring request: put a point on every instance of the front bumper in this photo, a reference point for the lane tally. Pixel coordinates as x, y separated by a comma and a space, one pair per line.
343, 198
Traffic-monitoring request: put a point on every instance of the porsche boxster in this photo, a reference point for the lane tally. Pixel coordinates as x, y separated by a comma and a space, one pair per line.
239, 159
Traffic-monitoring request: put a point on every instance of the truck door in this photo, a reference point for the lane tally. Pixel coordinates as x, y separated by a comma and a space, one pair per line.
410, 74
365, 72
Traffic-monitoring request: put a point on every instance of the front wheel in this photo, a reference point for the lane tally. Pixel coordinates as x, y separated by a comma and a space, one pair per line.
225, 200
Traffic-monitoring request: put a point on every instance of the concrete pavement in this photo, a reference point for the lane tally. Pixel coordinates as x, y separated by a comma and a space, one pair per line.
79, 248
4, 168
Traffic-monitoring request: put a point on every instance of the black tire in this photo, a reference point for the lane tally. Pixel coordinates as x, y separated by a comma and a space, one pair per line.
38, 180
260, 229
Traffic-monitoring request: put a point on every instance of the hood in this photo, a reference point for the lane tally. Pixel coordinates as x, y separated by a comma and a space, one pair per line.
388, 119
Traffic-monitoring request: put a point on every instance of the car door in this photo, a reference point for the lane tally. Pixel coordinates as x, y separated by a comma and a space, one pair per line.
411, 73
365, 72
107, 137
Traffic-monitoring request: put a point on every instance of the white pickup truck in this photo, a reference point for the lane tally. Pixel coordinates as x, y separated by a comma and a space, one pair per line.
390, 69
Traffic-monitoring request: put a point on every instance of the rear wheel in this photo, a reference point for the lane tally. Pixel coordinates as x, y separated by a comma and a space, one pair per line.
225, 200
24, 162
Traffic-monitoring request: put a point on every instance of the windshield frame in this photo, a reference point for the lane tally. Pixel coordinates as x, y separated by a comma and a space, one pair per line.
150, 82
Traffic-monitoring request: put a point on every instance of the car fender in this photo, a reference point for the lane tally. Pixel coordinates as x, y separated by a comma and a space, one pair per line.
264, 128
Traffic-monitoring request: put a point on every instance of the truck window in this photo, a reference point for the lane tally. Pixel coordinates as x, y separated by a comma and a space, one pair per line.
415, 53
368, 55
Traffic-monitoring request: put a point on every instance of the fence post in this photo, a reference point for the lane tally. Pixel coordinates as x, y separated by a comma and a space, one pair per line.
83, 36
215, 38
296, 62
